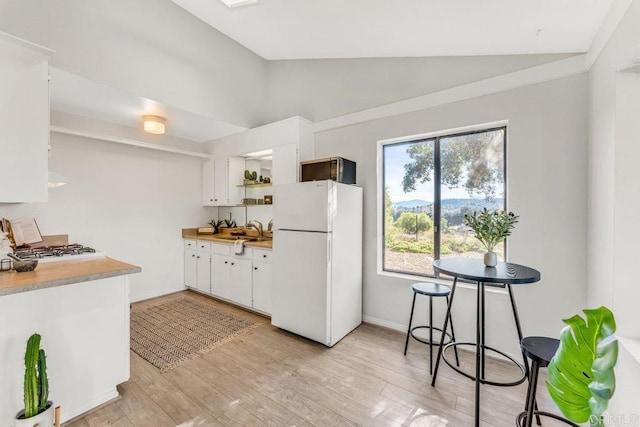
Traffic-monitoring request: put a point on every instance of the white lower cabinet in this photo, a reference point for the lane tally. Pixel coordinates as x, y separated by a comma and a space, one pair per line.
240, 281
244, 279
220, 275
190, 268
262, 286
203, 272
196, 265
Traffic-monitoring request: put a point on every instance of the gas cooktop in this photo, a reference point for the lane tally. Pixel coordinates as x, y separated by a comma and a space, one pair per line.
59, 253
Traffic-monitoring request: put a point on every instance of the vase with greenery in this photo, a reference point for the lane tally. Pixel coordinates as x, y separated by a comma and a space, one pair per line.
581, 378
38, 409
491, 228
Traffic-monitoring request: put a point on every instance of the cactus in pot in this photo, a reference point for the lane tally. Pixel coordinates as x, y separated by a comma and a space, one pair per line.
37, 407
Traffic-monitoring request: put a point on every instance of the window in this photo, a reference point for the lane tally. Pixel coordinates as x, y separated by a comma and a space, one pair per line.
428, 184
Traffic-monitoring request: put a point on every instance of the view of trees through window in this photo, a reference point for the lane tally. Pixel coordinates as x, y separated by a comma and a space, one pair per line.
429, 185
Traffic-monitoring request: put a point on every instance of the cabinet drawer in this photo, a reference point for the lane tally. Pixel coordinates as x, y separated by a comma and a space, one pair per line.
190, 245
262, 255
220, 248
203, 246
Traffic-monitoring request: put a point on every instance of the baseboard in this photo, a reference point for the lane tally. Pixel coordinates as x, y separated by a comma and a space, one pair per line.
71, 415
384, 323
403, 329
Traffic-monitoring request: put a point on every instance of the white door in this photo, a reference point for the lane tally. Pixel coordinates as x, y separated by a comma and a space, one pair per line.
221, 188
208, 181
262, 279
303, 206
190, 268
300, 278
220, 275
203, 277
240, 281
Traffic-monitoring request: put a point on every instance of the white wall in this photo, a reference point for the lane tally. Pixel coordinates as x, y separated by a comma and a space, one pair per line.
326, 88
547, 163
149, 48
613, 177
130, 202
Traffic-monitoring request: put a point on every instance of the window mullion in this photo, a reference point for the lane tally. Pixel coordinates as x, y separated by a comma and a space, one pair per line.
436, 200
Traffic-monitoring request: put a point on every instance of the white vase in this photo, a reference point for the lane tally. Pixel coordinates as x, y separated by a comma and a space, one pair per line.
42, 419
490, 259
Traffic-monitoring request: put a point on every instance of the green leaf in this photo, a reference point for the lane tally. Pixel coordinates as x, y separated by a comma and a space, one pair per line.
581, 378
491, 227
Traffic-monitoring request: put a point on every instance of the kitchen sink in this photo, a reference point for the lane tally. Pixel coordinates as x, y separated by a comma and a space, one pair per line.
249, 239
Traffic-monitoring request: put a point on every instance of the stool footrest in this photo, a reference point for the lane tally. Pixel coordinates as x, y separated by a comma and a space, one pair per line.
423, 341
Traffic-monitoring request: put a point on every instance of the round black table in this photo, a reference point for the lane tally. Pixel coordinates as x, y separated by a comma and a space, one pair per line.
504, 274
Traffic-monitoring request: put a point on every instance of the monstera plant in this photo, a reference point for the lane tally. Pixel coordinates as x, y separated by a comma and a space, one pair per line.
581, 378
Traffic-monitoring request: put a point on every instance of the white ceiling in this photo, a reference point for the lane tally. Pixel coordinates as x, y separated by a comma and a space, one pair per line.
298, 29
76, 95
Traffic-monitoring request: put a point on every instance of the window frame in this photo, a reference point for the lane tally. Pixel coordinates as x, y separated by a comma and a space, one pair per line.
435, 136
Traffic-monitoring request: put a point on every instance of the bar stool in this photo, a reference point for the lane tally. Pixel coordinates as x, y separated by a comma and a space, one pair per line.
431, 290
540, 350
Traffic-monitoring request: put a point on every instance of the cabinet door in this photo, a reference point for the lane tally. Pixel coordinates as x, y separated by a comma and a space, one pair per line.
220, 275
208, 183
190, 268
203, 272
262, 276
240, 281
285, 164
235, 177
221, 187
24, 125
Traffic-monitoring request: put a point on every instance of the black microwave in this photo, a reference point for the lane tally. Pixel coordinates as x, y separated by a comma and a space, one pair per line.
333, 168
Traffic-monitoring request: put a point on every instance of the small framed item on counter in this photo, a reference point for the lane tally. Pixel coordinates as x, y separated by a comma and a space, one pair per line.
268, 199
206, 230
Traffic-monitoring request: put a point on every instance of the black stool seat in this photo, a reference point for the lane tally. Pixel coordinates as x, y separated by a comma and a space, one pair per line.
431, 289
540, 349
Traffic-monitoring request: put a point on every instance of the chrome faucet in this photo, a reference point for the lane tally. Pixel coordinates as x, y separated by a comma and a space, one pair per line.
257, 225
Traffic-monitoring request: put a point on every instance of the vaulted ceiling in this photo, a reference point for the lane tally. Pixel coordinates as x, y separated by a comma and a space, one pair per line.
298, 29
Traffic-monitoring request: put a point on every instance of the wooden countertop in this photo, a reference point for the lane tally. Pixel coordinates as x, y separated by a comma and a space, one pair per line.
47, 275
191, 233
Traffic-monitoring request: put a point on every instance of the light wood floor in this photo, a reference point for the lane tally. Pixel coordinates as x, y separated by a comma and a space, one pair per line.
269, 377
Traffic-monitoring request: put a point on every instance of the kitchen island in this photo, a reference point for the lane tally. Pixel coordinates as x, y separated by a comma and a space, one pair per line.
81, 309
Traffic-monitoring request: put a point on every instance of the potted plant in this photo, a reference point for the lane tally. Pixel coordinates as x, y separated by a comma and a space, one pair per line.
491, 227
38, 409
581, 378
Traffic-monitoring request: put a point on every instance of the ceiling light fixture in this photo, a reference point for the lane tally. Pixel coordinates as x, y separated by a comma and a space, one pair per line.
154, 124
234, 4
57, 180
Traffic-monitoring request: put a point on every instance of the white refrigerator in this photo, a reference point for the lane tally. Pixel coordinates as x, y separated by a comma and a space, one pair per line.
317, 259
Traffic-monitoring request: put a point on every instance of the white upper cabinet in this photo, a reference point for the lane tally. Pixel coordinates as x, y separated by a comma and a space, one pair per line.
285, 164
24, 121
220, 180
208, 180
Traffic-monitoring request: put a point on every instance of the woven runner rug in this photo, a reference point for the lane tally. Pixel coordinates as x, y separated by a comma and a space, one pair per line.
167, 334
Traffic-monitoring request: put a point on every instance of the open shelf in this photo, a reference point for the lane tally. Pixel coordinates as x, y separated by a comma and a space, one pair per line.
254, 185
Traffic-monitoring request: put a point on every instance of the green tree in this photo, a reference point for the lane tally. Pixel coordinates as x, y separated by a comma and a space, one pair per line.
414, 222
388, 208
474, 161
